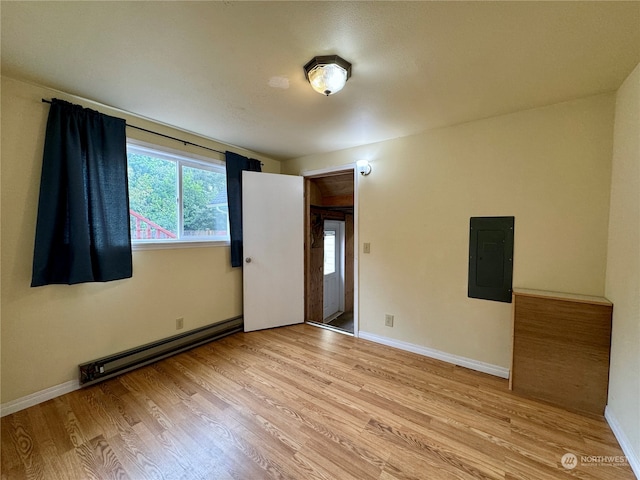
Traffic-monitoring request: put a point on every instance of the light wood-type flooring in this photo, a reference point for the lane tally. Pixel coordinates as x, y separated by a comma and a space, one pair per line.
302, 402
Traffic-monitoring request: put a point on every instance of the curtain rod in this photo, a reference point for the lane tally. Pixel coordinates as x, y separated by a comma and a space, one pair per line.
185, 142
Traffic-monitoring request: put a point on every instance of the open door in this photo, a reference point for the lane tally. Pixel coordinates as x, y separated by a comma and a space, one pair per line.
273, 230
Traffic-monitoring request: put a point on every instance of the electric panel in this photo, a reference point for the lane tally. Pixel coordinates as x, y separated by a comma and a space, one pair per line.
491, 258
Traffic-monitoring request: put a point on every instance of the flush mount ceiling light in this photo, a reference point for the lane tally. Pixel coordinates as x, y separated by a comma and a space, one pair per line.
327, 74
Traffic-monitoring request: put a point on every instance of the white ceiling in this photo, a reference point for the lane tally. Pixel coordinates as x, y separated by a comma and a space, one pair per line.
218, 68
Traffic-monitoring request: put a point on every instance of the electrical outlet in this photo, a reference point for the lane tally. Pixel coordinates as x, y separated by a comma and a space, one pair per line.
179, 323
388, 320
366, 248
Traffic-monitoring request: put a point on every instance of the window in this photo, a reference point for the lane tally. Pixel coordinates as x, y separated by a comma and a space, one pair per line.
329, 252
175, 197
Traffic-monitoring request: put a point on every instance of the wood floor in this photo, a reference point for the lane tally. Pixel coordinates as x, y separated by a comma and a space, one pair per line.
302, 403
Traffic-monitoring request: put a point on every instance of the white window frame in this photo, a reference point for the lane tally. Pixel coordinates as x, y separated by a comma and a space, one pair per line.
181, 158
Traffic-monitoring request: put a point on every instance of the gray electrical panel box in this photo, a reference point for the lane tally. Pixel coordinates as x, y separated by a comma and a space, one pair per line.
491, 258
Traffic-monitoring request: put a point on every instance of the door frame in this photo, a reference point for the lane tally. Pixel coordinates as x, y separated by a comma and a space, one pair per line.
327, 172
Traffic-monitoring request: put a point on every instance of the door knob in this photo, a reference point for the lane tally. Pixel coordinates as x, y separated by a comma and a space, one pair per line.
248, 259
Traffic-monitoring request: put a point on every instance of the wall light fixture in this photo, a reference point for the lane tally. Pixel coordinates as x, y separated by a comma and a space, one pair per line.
363, 167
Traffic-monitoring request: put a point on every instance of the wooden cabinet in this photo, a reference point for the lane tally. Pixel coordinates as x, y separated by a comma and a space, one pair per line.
561, 345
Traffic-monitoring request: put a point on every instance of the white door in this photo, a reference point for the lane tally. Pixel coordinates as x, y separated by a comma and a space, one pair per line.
332, 296
273, 229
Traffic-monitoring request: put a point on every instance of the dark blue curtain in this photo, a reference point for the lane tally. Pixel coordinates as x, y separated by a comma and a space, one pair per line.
82, 231
235, 165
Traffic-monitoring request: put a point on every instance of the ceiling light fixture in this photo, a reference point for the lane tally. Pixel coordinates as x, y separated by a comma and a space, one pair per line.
327, 74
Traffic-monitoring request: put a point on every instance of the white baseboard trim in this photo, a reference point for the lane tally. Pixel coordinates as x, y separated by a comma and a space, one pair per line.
623, 440
38, 397
438, 355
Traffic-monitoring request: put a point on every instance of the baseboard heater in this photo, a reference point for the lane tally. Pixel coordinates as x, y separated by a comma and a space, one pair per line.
108, 367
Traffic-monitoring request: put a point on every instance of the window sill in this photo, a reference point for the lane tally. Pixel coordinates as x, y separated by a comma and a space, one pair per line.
175, 245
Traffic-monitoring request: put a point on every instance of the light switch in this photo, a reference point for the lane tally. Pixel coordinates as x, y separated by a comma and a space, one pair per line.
366, 248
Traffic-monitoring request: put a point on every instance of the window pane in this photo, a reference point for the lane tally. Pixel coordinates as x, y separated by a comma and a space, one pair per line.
205, 210
329, 252
152, 197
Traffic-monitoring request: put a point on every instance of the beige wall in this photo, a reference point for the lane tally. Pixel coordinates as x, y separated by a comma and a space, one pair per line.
549, 167
623, 263
47, 331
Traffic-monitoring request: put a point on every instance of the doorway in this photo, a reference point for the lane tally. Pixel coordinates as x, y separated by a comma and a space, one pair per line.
330, 253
